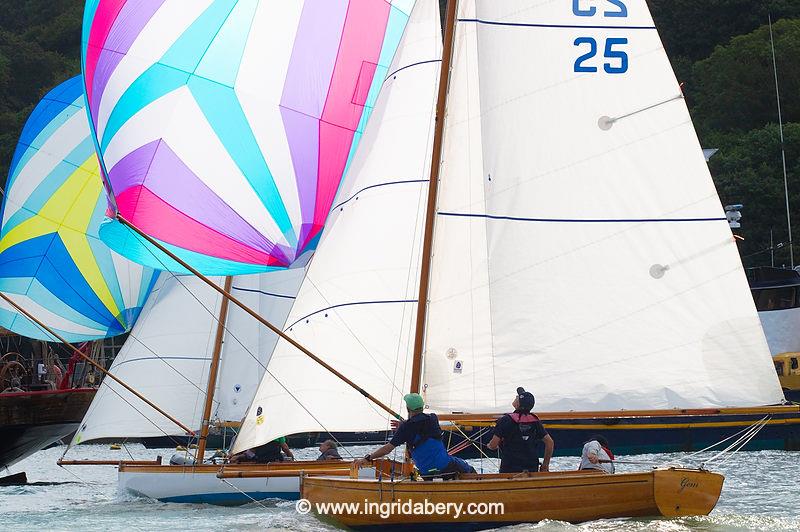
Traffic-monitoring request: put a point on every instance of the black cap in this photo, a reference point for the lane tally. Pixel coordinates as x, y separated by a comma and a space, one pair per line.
526, 399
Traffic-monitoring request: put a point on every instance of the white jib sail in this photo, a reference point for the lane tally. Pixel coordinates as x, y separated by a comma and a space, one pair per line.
580, 247
357, 305
168, 355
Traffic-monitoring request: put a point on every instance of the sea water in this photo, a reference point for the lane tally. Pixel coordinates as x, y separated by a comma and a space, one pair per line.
761, 492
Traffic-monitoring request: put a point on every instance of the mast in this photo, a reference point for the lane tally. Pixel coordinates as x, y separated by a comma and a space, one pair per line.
783, 145
255, 315
433, 186
212, 372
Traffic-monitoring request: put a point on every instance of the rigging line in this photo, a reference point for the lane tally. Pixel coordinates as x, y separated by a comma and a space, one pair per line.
744, 443
463, 444
162, 359
225, 480
783, 144
246, 349
478, 447
779, 245
127, 450
721, 441
753, 429
118, 394
738, 447
556, 26
579, 220
252, 355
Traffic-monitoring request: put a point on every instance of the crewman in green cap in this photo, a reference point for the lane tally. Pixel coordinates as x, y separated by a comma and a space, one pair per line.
422, 436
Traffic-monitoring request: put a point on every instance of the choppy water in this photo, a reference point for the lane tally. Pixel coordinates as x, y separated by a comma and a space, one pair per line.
762, 492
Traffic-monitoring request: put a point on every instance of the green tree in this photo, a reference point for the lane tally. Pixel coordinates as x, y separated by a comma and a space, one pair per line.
748, 170
734, 89
691, 29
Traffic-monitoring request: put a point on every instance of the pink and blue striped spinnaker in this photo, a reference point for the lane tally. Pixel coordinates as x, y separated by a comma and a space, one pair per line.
225, 126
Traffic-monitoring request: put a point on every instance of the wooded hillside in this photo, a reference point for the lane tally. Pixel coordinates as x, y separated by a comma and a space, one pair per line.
719, 49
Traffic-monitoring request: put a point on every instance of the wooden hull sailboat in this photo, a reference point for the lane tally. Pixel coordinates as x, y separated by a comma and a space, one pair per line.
572, 496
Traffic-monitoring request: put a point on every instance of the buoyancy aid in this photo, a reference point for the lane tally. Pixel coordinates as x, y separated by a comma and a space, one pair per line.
426, 448
520, 445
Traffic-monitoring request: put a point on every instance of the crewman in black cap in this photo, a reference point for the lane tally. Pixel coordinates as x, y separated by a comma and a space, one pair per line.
518, 435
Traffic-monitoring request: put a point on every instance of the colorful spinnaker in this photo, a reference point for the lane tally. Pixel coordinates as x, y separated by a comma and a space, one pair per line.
52, 261
225, 126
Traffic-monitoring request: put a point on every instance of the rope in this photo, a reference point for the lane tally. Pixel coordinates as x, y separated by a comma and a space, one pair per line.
245, 494
478, 447
742, 441
248, 351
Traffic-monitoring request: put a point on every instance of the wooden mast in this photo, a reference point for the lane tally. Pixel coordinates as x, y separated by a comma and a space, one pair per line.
258, 317
97, 366
212, 373
433, 186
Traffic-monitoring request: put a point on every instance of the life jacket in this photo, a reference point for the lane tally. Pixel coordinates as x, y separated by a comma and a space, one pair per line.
521, 444
426, 448
608, 452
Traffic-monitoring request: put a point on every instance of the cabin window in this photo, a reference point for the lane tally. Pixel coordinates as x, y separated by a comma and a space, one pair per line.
779, 368
794, 363
776, 298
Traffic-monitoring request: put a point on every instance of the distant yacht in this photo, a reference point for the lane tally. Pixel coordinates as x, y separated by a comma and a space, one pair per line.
776, 292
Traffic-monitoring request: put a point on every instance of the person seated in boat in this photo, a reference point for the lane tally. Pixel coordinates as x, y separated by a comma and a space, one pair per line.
422, 436
328, 451
518, 434
597, 455
269, 452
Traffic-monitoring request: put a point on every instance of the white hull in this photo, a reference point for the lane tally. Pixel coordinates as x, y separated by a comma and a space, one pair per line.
200, 487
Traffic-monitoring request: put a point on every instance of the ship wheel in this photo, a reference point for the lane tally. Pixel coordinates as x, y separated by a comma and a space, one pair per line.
12, 372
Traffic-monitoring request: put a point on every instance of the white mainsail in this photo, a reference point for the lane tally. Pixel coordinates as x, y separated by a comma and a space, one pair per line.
168, 355
357, 305
580, 247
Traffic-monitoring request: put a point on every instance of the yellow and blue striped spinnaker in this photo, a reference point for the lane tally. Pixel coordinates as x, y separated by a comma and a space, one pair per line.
52, 261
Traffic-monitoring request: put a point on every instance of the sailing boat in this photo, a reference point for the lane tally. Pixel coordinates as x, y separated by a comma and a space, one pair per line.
53, 263
202, 361
575, 246
256, 110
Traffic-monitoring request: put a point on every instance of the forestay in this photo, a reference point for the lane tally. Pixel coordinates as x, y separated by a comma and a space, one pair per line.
168, 354
225, 126
356, 306
52, 262
580, 247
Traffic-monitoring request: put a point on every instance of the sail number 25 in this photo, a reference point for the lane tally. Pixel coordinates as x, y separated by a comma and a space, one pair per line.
617, 59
